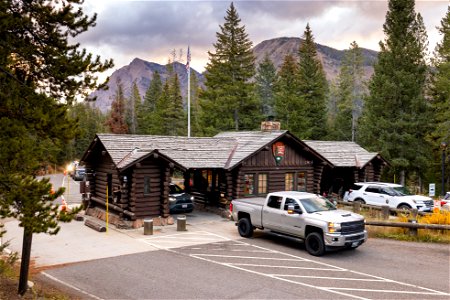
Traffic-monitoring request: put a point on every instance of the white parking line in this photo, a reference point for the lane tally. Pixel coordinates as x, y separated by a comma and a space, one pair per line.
325, 267
71, 286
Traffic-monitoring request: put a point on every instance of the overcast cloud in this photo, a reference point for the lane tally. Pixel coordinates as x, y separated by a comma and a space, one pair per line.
151, 29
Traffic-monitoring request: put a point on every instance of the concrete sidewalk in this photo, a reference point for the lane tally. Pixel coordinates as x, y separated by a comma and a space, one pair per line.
76, 242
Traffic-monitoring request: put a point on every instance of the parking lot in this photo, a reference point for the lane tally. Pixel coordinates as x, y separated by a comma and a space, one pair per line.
293, 269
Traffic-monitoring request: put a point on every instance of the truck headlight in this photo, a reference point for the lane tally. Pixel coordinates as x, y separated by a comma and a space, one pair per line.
334, 227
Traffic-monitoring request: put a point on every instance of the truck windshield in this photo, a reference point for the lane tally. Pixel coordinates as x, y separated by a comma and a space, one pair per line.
316, 204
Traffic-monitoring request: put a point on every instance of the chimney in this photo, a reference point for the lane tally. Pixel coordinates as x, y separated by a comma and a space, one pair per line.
270, 125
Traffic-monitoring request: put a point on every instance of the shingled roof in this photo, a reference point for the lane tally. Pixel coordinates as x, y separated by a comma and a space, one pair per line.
127, 149
249, 142
343, 154
225, 150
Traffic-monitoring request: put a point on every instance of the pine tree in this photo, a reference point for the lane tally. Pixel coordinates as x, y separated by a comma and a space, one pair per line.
90, 121
266, 78
146, 111
195, 106
440, 84
439, 92
41, 73
133, 104
313, 89
289, 108
395, 116
349, 94
116, 121
229, 101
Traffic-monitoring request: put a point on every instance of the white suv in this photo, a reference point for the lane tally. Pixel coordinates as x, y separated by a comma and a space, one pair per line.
392, 194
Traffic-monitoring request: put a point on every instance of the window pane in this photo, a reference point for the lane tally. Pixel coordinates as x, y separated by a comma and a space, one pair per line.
262, 183
289, 181
301, 182
249, 184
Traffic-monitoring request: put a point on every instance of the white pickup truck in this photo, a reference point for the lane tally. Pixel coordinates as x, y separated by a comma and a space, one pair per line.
301, 215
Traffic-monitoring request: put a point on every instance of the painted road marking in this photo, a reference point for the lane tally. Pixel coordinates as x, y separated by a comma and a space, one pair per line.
343, 276
70, 286
183, 239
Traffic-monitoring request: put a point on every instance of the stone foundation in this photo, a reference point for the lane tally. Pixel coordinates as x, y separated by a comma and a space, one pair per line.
116, 220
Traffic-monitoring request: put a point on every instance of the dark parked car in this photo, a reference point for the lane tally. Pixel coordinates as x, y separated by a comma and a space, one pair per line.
79, 173
179, 201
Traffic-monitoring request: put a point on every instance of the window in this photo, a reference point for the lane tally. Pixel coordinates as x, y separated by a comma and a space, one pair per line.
249, 184
146, 185
301, 182
289, 181
262, 183
290, 201
274, 202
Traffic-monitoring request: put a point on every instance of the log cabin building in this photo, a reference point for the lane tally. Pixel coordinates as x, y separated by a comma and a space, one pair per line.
132, 172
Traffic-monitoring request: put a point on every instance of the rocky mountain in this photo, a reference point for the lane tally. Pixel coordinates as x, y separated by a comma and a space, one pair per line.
331, 58
141, 71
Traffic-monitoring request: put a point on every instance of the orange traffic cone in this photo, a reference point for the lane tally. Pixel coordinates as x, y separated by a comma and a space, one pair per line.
64, 205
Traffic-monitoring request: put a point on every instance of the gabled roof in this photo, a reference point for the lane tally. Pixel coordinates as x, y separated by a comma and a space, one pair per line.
249, 142
126, 149
343, 154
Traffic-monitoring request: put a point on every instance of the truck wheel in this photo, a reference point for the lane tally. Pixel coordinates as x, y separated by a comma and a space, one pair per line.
245, 227
314, 244
404, 207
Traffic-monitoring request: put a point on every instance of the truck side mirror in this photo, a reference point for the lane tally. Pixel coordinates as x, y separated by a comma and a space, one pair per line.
292, 210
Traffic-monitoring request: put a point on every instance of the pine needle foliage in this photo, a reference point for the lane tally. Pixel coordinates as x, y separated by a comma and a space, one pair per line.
396, 116
229, 101
313, 89
41, 74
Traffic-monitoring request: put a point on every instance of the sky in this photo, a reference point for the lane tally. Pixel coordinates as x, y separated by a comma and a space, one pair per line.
152, 30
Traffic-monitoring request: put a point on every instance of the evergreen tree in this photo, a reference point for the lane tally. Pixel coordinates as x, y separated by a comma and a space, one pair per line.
440, 84
41, 73
169, 117
195, 106
91, 121
146, 111
229, 101
266, 78
116, 121
313, 89
289, 109
349, 94
134, 103
395, 118
439, 91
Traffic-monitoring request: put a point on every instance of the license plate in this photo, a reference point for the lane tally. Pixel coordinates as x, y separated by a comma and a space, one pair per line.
184, 206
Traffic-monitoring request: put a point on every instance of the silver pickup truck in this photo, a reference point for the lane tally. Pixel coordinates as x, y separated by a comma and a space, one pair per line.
301, 215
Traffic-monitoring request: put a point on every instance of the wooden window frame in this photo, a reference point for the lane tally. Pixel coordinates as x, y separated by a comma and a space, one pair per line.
262, 183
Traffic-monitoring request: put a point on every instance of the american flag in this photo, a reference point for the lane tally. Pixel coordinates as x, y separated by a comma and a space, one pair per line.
188, 60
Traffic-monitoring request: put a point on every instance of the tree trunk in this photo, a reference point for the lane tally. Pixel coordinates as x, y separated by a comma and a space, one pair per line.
402, 177
25, 264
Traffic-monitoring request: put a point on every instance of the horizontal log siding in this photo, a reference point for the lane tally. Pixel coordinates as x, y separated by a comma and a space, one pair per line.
275, 178
146, 205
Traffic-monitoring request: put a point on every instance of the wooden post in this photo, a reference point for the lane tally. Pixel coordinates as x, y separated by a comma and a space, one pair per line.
385, 212
356, 207
148, 226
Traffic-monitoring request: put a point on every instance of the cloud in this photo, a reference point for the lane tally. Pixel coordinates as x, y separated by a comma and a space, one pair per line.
152, 29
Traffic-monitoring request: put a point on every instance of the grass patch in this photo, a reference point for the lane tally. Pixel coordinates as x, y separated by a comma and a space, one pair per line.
9, 282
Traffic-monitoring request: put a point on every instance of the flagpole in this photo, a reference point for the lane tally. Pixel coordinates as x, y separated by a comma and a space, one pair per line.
189, 92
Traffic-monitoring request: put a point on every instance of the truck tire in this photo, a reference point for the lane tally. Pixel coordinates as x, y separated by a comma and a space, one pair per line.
245, 227
314, 244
